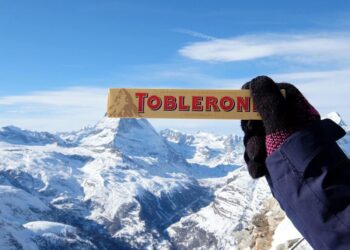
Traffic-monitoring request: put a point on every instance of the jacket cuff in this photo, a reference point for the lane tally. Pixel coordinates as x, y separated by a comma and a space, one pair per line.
302, 146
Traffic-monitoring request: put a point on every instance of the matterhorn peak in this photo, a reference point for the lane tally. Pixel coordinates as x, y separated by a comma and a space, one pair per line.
134, 137
107, 130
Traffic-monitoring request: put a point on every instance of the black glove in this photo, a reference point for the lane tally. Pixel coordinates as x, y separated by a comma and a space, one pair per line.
280, 118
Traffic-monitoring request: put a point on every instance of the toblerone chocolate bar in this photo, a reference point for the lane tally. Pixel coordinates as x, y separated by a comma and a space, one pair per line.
181, 103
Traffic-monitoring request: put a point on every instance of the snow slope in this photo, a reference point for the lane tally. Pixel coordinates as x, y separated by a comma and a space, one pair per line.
232, 209
205, 148
119, 178
121, 185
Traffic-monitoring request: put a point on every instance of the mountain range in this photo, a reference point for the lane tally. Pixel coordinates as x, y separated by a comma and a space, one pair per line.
120, 184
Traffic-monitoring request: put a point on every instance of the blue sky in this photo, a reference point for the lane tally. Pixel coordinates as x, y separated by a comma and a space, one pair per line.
60, 57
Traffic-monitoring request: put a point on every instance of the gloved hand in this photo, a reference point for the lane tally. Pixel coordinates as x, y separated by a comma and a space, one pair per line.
281, 117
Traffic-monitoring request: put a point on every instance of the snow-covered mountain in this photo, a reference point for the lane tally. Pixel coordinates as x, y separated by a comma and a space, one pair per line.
15, 135
334, 116
205, 148
213, 227
116, 184
121, 185
344, 142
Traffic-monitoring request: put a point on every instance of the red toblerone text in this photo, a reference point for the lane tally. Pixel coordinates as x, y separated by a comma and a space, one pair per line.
181, 103
194, 103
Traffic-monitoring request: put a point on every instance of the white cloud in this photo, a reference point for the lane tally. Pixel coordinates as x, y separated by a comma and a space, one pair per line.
305, 47
74, 96
327, 90
73, 108
60, 110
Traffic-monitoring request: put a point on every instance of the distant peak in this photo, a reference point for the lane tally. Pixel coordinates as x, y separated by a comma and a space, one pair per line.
16, 135
334, 116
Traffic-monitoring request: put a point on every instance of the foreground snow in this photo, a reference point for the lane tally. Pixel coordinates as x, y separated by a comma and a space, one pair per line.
49, 227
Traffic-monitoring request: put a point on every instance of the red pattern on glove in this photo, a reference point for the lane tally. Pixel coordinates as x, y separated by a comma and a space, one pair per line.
274, 140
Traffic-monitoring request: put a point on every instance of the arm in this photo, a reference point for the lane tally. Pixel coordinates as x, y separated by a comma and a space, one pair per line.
310, 177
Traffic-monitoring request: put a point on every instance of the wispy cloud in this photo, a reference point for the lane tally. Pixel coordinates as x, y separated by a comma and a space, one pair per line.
195, 34
70, 97
306, 48
60, 110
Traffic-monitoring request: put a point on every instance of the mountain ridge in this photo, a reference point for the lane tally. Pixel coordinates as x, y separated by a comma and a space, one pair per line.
121, 184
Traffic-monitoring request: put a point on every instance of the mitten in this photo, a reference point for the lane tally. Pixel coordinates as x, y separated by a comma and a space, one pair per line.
281, 117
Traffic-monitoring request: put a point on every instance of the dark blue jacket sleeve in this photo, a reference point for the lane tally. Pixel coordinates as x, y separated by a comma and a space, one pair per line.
309, 175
